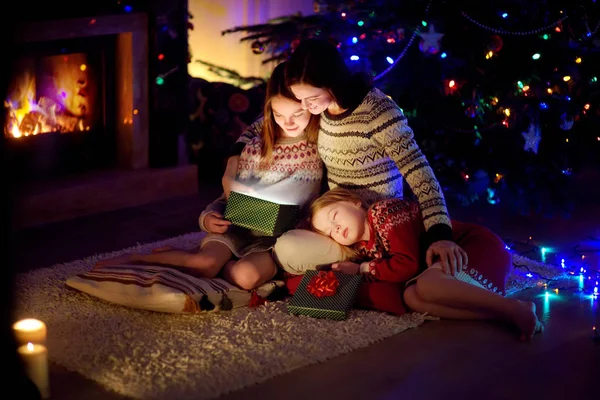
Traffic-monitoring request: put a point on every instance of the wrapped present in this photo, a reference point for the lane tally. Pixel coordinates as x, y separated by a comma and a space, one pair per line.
325, 294
260, 215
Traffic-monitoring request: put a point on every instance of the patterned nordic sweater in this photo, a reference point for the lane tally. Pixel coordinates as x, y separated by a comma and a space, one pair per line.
292, 176
370, 150
393, 252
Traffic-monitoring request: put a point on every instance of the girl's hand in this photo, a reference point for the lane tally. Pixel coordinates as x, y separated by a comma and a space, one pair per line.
215, 223
347, 267
228, 179
451, 256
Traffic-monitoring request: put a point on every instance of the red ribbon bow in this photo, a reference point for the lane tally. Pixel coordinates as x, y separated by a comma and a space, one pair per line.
323, 284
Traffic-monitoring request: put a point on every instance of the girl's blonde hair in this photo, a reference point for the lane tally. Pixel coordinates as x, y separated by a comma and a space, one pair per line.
276, 87
328, 198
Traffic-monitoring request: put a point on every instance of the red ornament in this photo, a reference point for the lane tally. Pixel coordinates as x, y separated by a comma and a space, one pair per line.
323, 284
496, 43
238, 103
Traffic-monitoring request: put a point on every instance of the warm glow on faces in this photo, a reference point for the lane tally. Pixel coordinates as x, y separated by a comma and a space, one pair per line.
313, 99
289, 115
344, 221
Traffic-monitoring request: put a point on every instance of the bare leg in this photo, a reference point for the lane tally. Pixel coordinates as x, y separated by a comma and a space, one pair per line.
251, 271
439, 289
205, 263
412, 299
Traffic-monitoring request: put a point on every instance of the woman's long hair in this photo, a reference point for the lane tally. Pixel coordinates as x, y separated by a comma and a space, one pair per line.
318, 63
276, 87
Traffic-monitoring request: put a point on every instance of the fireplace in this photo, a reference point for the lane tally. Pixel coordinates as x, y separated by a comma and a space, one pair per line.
78, 96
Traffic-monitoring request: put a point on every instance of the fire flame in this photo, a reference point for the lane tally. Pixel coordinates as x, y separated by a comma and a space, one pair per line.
62, 106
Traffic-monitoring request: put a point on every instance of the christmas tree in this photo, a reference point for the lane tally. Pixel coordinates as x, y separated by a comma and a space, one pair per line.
503, 96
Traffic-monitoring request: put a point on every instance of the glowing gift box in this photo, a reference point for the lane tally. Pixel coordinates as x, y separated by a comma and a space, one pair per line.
264, 216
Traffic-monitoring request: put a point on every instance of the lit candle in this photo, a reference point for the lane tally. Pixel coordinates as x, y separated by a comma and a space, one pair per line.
35, 363
30, 330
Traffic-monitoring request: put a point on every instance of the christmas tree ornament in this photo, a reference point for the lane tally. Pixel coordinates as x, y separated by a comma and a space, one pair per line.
257, 47
238, 103
430, 41
566, 122
532, 138
400, 34
495, 44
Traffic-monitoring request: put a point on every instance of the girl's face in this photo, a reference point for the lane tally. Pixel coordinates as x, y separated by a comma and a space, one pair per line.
313, 99
344, 221
289, 115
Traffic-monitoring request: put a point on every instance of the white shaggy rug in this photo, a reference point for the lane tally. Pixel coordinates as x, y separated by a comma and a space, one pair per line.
149, 355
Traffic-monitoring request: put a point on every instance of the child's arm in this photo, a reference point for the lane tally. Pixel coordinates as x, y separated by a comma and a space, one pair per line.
217, 206
397, 268
228, 180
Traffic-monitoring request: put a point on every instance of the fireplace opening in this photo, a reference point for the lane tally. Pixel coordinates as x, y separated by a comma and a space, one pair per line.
60, 107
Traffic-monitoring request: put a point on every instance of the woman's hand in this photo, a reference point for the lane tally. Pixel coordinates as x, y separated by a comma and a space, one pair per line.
451, 256
215, 223
347, 267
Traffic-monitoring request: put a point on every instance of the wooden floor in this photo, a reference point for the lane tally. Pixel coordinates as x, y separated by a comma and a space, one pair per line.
438, 360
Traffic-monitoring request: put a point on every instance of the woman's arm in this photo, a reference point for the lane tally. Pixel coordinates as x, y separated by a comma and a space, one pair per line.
400, 145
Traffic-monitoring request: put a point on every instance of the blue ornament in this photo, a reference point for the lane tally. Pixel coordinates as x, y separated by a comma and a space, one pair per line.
532, 138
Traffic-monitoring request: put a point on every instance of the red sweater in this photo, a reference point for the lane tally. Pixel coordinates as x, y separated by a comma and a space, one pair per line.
394, 248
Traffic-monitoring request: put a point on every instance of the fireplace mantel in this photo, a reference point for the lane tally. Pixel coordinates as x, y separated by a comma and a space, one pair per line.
131, 78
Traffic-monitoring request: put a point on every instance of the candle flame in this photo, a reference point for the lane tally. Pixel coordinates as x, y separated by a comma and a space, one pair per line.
29, 346
28, 324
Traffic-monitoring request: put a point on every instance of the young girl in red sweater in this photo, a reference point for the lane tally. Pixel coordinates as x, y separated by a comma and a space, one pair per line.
385, 243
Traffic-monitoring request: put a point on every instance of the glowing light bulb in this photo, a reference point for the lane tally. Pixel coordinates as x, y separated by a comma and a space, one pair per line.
389, 60
354, 58
451, 83
578, 60
83, 67
566, 78
361, 23
536, 56
507, 113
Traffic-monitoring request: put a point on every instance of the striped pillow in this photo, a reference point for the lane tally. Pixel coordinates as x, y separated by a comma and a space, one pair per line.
164, 289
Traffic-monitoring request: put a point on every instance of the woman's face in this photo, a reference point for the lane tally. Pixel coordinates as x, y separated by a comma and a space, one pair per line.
313, 99
344, 221
289, 115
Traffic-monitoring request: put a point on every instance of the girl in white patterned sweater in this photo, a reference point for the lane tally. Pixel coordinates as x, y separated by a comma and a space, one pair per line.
366, 146
281, 163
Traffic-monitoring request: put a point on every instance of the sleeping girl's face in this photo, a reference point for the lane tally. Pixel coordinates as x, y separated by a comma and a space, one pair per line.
289, 115
343, 221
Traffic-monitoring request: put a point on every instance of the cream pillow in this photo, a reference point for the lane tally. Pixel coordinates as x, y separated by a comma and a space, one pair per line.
164, 289
300, 250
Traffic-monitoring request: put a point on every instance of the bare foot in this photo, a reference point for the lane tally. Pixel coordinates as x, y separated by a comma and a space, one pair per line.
525, 318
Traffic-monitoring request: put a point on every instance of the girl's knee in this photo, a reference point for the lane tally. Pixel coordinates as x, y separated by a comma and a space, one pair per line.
248, 276
427, 287
413, 301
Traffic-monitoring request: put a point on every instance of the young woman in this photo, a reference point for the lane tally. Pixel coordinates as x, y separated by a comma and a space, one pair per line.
366, 146
383, 241
282, 163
